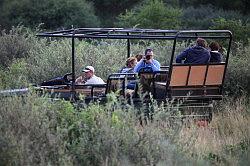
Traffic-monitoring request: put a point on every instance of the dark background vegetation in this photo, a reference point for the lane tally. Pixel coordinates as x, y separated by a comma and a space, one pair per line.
56, 14
36, 131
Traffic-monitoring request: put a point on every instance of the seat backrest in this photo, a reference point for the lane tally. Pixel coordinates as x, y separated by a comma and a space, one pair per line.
204, 80
118, 82
197, 75
215, 74
114, 84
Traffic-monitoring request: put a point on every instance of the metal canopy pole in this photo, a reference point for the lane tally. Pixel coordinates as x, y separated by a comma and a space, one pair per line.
73, 62
128, 47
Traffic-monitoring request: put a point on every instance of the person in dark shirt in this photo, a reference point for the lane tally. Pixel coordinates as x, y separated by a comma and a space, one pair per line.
216, 56
197, 54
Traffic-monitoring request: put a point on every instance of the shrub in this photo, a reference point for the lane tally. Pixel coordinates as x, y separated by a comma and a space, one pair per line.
153, 14
202, 17
53, 13
28, 133
241, 31
15, 76
35, 130
14, 44
238, 74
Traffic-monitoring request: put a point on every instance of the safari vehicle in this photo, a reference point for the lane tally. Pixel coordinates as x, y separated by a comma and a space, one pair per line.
193, 84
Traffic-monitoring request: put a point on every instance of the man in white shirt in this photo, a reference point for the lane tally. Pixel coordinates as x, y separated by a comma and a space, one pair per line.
89, 77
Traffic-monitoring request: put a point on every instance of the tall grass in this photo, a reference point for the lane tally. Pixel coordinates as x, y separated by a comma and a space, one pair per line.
38, 131
225, 139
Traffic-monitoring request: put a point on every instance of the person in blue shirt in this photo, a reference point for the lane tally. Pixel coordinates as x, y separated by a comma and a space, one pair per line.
197, 54
130, 64
147, 63
216, 56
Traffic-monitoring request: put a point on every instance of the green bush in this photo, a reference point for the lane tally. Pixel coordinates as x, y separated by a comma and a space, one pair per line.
29, 134
15, 44
153, 14
238, 73
240, 30
36, 130
53, 13
202, 17
108, 10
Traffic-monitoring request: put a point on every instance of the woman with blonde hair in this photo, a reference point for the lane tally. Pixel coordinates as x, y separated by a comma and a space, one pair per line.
130, 64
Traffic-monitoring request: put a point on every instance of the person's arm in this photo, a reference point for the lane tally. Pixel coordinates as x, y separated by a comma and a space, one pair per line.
156, 66
207, 57
220, 58
182, 56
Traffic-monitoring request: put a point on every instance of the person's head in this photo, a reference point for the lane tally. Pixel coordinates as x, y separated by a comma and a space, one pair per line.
131, 62
214, 46
138, 57
149, 53
88, 71
201, 42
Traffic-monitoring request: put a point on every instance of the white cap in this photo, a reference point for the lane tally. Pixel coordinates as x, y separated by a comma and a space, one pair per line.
89, 68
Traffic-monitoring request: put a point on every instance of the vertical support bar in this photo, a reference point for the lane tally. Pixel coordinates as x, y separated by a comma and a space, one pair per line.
73, 62
227, 58
128, 47
189, 70
171, 65
205, 79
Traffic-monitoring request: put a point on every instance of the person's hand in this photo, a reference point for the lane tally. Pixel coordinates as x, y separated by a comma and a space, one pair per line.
80, 80
149, 61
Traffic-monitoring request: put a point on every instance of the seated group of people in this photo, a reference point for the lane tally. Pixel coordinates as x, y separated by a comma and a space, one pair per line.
198, 54
132, 66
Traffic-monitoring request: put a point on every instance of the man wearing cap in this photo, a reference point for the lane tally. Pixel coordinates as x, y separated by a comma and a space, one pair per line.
147, 63
197, 54
89, 77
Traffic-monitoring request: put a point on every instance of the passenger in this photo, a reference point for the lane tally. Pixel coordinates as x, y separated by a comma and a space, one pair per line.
196, 54
148, 62
88, 77
216, 56
129, 68
130, 64
138, 57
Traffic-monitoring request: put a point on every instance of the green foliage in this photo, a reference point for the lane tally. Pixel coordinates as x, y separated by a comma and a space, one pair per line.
153, 14
241, 31
28, 133
34, 130
238, 73
37, 130
202, 17
108, 10
15, 44
53, 13
15, 76
240, 5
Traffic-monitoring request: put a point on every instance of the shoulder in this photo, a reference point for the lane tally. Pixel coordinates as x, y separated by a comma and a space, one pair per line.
155, 61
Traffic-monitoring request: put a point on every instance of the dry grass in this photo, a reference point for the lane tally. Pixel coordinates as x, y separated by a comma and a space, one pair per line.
228, 132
